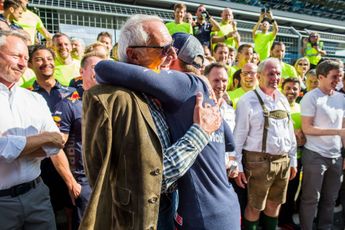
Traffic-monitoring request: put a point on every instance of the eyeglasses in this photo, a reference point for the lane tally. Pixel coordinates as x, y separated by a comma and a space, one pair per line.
165, 49
248, 73
302, 64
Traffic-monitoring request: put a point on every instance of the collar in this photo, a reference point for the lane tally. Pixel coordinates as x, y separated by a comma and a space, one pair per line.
5, 89
266, 97
37, 87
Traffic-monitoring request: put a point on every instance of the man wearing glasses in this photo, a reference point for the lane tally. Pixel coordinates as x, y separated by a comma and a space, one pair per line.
129, 158
248, 81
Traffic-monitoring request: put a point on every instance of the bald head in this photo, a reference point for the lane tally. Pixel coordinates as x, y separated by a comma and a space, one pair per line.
249, 76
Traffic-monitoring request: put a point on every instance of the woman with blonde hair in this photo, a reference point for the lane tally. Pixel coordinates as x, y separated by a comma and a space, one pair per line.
302, 66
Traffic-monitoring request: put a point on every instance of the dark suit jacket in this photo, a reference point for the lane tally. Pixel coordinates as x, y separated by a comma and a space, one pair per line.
123, 160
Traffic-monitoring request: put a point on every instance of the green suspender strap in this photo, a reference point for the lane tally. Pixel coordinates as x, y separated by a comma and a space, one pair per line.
266, 123
276, 114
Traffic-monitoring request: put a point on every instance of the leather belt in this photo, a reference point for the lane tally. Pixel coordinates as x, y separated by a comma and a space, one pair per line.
20, 188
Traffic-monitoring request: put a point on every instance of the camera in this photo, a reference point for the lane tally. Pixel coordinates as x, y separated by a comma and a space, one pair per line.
265, 10
205, 14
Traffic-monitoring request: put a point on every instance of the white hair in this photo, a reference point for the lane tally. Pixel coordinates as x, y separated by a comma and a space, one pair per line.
262, 65
133, 33
7, 33
81, 41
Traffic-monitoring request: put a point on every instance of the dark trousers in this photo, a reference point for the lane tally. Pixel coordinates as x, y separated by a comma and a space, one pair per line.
81, 203
167, 210
30, 211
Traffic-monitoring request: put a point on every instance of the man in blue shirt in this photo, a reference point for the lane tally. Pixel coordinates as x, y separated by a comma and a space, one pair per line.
204, 25
55, 170
68, 115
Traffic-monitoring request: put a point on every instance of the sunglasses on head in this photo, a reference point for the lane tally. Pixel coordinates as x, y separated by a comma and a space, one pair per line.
165, 49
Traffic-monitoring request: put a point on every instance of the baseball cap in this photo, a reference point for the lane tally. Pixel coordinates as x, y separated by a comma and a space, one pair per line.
188, 49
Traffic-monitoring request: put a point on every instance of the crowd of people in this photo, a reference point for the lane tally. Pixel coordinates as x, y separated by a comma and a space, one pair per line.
177, 126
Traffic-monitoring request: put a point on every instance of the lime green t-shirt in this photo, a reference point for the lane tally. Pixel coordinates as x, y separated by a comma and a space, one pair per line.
27, 79
312, 54
182, 27
236, 95
297, 121
231, 71
65, 73
225, 28
288, 71
263, 43
30, 22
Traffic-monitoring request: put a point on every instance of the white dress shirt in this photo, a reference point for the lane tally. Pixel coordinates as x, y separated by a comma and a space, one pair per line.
250, 123
23, 113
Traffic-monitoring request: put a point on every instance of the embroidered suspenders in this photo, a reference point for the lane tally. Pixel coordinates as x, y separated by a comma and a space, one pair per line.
274, 114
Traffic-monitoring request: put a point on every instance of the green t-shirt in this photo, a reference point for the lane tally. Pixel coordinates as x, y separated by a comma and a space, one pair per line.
236, 95
312, 54
297, 122
225, 28
231, 71
182, 27
263, 43
65, 73
288, 71
30, 23
27, 79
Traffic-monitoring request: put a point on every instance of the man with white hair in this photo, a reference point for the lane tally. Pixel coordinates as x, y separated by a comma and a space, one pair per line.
265, 147
129, 158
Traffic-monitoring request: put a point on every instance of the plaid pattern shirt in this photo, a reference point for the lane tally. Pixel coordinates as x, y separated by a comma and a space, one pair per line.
180, 156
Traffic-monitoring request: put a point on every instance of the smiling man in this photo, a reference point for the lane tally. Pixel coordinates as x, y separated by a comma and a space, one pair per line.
248, 82
65, 67
27, 135
178, 25
265, 147
323, 123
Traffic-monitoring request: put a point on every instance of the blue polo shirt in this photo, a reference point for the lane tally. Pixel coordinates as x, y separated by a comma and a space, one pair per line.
77, 83
56, 94
67, 116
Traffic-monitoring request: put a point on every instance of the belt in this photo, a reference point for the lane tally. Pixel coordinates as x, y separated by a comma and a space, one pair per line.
266, 156
20, 188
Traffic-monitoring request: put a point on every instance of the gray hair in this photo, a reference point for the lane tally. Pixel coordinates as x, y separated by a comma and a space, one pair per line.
81, 41
262, 65
7, 33
133, 33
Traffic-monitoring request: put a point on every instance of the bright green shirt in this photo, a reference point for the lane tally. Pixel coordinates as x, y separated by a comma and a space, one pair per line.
288, 71
182, 27
263, 43
312, 54
27, 79
236, 95
30, 23
65, 73
225, 28
231, 71
297, 121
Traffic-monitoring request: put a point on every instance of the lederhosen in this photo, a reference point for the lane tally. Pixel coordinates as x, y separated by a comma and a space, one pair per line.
274, 114
267, 174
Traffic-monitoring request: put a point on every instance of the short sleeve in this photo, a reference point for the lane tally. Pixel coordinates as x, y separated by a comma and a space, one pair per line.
308, 107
